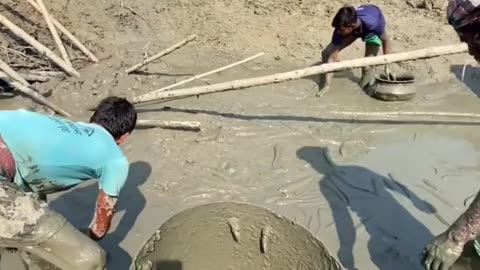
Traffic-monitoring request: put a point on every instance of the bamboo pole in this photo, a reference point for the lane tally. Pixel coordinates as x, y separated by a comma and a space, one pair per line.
46, 73
67, 33
27, 76
196, 77
162, 53
38, 46
360, 114
185, 125
53, 30
301, 73
27, 90
7, 70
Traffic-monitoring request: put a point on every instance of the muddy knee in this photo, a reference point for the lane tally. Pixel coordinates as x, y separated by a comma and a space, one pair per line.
93, 259
71, 249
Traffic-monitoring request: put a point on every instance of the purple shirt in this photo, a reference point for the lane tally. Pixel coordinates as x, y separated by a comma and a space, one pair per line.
372, 23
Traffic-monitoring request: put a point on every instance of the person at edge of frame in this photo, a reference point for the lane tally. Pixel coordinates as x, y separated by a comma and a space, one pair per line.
42, 154
461, 241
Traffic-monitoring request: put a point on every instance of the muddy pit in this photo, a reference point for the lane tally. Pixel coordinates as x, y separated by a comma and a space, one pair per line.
230, 235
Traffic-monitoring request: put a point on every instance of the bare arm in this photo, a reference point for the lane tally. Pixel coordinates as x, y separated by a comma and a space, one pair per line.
104, 211
331, 54
386, 43
467, 226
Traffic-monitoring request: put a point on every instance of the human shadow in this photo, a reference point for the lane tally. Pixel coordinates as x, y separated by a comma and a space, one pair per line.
160, 74
301, 118
78, 207
168, 265
471, 76
395, 238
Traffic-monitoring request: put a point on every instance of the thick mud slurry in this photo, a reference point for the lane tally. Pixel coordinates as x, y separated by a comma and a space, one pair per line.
229, 235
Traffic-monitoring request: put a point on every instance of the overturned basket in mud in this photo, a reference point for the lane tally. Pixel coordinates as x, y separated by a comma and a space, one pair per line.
230, 235
401, 89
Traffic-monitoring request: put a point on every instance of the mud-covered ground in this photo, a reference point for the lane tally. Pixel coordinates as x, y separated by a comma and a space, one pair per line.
384, 188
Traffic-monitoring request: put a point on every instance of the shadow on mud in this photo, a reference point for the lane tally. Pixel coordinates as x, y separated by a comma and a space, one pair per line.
169, 265
470, 76
78, 207
395, 237
312, 119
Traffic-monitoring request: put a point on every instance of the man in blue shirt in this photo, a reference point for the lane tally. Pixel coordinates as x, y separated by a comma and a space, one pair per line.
41, 154
366, 22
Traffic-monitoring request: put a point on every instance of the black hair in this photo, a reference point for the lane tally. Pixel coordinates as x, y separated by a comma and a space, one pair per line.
346, 16
116, 115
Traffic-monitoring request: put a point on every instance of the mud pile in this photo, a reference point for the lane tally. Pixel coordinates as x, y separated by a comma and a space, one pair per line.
231, 235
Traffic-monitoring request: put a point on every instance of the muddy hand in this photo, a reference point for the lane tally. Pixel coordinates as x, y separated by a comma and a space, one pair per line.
324, 83
389, 74
322, 91
368, 80
441, 253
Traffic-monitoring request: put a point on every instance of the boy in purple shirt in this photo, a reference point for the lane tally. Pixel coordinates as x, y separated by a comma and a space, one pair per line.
366, 22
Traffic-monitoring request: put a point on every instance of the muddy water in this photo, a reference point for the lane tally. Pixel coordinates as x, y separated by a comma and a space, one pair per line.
266, 146
233, 235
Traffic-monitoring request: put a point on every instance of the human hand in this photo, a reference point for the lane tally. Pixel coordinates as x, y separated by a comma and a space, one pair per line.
389, 74
322, 91
93, 235
368, 80
441, 253
88, 232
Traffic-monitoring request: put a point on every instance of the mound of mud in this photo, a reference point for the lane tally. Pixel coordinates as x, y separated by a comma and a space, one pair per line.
229, 235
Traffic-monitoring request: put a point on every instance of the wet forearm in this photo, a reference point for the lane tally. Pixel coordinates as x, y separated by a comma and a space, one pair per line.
386, 44
467, 226
104, 211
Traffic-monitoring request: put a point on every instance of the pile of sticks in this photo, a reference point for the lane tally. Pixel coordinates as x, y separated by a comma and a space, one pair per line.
20, 81
184, 125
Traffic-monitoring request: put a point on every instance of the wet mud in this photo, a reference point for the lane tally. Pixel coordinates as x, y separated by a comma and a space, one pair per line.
230, 235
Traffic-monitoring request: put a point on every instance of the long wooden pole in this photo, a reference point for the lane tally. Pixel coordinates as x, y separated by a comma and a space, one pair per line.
185, 125
360, 114
162, 53
67, 33
196, 77
38, 46
53, 30
26, 89
7, 70
306, 72
27, 76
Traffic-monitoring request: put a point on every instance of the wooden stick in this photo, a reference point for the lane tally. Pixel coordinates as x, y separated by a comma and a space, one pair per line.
47, 73
53, 30
7, 70
24, 88
403, 113
306, 72
67, 33
27, 76
162, 53
206, 74
184, 125
38, 46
